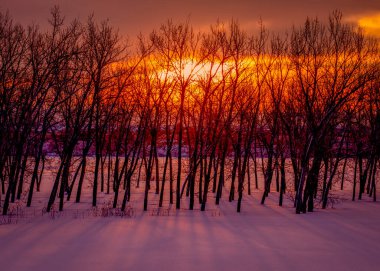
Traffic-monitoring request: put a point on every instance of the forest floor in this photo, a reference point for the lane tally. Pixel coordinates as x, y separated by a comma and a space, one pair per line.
261, 237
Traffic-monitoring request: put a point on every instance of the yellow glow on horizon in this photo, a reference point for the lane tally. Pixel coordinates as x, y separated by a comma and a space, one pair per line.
371, 24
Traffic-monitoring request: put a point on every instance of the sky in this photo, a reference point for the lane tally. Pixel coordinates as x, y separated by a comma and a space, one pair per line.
134, 16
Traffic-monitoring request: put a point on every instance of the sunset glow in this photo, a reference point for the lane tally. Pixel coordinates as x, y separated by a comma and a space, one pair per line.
371, 24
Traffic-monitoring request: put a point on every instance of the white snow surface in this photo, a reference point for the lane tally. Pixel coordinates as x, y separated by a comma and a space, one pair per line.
262, 237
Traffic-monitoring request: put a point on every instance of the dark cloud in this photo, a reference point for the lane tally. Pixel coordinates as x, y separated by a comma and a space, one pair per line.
133, 16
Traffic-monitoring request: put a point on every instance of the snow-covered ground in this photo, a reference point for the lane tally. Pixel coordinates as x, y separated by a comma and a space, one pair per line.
346, 237
261, 238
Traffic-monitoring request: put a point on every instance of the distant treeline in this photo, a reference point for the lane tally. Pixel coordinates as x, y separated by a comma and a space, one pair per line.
223, 95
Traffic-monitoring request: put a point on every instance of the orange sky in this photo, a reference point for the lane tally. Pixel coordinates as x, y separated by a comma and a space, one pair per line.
133, 16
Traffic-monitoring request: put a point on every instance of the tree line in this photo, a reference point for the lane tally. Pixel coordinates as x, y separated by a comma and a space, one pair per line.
188, 113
